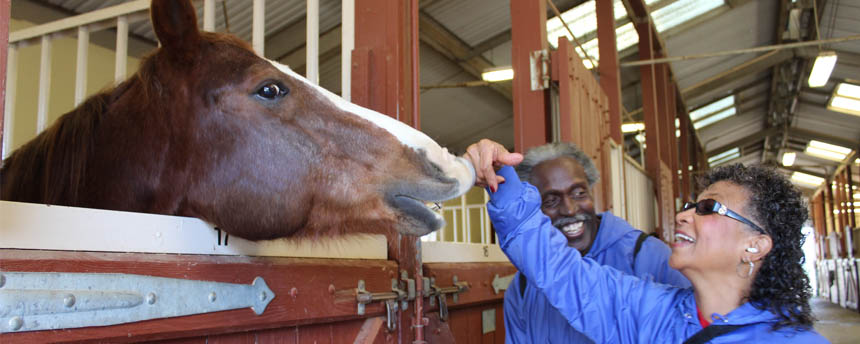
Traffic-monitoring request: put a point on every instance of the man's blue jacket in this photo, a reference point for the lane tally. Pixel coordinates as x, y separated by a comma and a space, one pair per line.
600, 301
530, 318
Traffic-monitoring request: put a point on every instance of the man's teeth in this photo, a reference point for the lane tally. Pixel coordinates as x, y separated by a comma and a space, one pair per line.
681, 236
573, 228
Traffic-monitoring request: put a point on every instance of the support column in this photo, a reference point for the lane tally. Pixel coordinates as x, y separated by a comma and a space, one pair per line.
686, 185
610, 78
650, 114
531, 108
383, 79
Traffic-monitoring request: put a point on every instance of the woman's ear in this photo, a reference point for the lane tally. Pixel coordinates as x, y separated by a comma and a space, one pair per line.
758, 246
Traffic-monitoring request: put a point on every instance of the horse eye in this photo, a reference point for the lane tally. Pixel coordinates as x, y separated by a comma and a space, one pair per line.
272, 91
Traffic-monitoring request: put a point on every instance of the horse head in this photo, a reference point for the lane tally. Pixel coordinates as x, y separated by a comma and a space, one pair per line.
208, 128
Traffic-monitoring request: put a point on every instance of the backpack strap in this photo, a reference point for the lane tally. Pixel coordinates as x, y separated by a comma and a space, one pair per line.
523, 284
711, 332
637, 248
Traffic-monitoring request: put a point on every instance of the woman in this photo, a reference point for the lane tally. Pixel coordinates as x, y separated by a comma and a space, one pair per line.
739, 245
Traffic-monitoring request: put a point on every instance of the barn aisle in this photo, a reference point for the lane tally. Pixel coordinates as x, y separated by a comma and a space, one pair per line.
837, 324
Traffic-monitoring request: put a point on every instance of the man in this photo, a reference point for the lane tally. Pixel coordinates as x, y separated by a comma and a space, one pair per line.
564, 175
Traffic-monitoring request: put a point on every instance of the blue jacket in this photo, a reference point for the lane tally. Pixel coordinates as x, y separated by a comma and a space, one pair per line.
604, 303
530, 318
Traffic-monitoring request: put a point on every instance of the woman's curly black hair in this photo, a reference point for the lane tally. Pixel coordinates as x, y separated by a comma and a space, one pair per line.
780, 286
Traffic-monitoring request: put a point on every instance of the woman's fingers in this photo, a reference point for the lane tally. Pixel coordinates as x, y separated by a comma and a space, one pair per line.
486, 156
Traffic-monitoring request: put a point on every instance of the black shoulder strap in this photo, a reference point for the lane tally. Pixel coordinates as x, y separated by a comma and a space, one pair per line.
639, 241
711, 332
523, 284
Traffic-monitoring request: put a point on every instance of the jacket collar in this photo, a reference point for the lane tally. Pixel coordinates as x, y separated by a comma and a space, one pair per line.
612, 229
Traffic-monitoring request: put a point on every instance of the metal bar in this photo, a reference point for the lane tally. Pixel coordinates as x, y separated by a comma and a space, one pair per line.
258, 31
209, 15
312, 48
44, 84
72, 22
121, 49
11, 93
81, 64
463, 219
741, 51
5, 18
346, 46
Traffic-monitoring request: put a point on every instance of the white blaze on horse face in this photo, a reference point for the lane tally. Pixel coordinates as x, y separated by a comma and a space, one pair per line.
451, 165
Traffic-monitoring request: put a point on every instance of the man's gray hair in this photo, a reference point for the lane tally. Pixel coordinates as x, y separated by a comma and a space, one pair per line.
552, 151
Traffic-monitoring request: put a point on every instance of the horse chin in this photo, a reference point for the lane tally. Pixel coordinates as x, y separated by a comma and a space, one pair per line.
414, 217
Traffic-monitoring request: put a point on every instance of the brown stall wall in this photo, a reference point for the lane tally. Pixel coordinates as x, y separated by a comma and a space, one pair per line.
584, 115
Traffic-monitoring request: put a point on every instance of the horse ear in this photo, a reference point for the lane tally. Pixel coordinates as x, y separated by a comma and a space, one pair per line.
175, 24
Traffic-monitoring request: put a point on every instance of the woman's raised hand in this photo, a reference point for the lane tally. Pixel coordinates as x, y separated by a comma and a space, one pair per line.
487, 156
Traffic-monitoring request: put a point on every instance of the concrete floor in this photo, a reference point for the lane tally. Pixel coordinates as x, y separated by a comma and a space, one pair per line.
837, 324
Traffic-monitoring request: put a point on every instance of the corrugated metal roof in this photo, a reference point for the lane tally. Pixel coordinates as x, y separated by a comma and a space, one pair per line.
473, 21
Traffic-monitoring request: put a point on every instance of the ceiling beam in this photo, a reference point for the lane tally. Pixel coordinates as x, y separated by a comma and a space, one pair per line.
826, 138
744, 141
750, 67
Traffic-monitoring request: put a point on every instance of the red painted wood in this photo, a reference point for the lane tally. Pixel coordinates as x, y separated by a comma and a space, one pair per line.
610, 78
312, 279
5, 14
233, 338
285, 335
373, 331
531, 108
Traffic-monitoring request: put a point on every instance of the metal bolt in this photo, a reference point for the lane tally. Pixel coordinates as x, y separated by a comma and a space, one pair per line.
295, 291
263, 295
15, 323
69, 300
150, 298
2, 281
331, 289
212, 297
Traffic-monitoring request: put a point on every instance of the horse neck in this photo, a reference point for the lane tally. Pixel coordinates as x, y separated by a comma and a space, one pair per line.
52, 167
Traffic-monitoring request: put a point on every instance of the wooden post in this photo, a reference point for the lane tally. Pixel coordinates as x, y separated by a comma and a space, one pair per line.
610, 78
650, 113
531, 108
383, 79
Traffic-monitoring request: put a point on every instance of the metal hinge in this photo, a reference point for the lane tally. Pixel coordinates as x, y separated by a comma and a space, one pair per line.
31, 301
539, 69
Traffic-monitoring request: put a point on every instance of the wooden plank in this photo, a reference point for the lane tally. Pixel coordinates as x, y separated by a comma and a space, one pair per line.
233, 338
454, 252
307, 291
479, 276
39, 226
372, 331
285, 335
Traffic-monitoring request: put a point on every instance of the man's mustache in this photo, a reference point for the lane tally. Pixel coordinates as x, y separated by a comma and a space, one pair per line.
564, 221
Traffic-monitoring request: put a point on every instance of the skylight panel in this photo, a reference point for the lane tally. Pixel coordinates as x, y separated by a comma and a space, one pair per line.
681, 11
723, 157
806, 179
846, 99
714, 118
827, 151
712, 107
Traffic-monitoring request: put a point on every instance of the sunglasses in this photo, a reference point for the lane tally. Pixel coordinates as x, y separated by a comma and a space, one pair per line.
709, 206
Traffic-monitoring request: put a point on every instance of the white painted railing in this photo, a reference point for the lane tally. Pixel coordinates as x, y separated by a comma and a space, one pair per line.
119, 17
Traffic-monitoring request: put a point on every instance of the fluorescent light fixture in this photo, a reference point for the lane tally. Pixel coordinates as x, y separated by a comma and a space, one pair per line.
714, 118
806, 179
857, 197
822, 68
632, 127
498, 74
788, 158
724, 157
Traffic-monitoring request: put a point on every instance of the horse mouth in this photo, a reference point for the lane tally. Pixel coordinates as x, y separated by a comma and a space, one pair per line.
415, 217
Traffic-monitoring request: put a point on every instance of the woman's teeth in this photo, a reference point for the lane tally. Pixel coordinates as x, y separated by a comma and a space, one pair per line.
573, 229
680, 236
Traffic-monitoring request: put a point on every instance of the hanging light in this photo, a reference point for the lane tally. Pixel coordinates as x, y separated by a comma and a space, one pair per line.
498, 74
788, 158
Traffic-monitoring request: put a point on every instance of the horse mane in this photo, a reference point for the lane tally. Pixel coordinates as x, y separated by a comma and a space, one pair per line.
51, 168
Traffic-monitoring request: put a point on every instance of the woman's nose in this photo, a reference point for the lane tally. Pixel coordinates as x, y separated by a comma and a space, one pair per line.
684, 217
